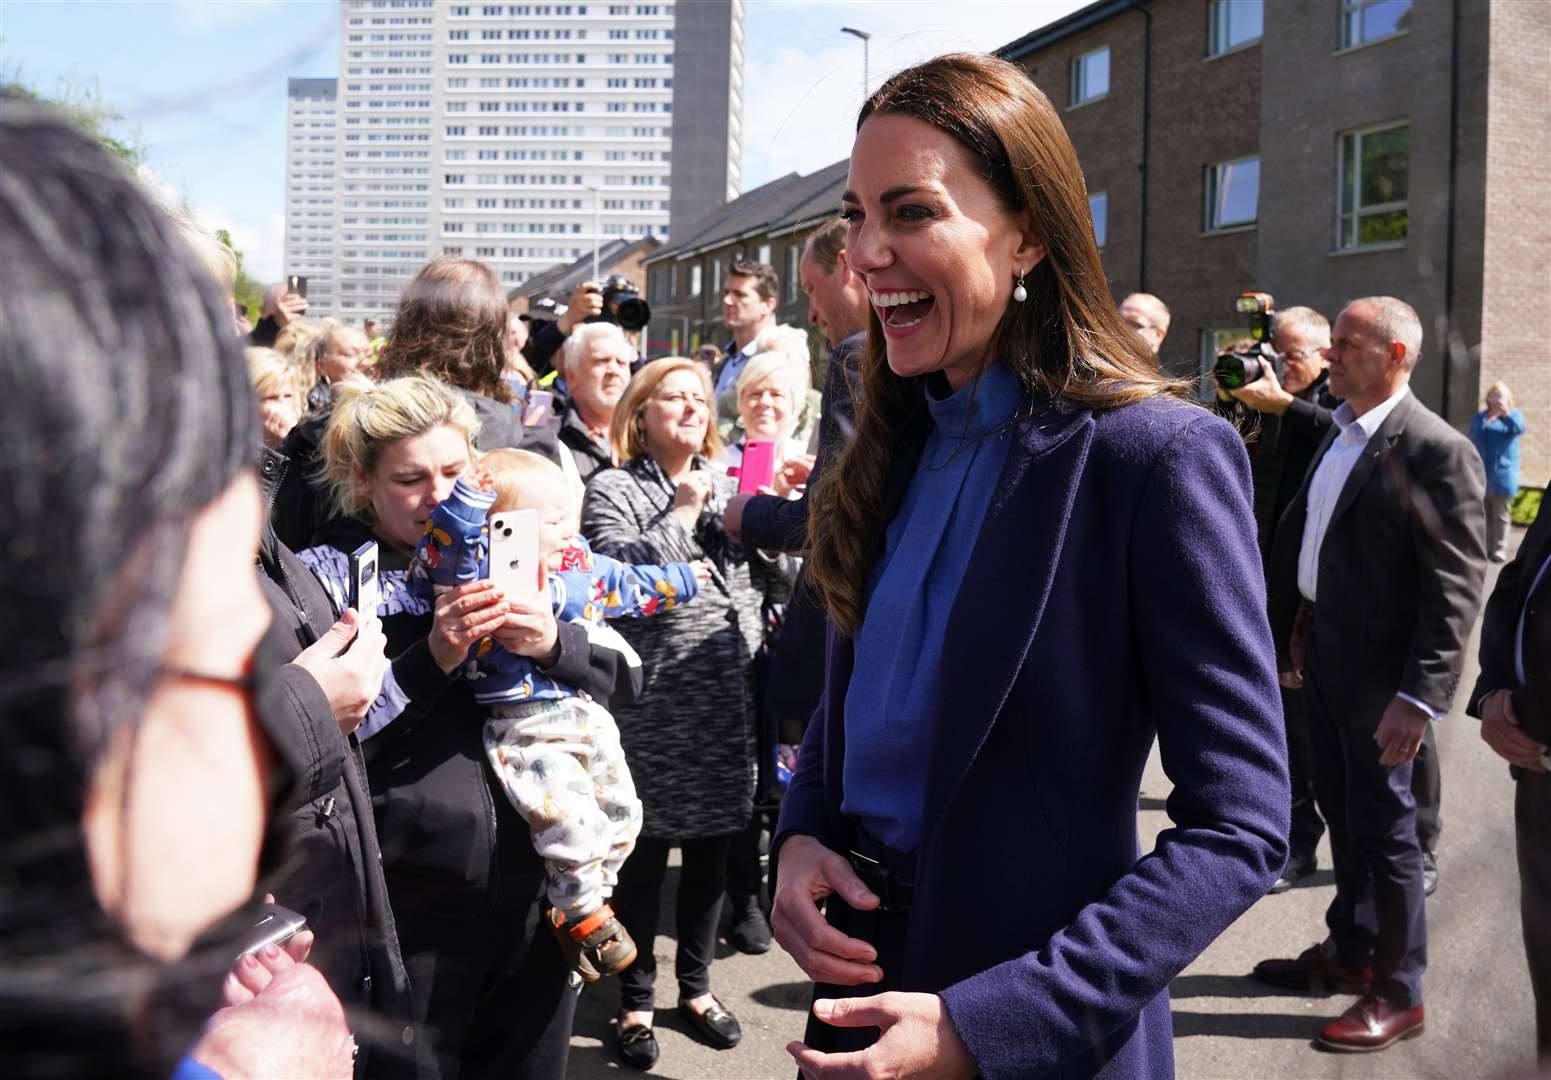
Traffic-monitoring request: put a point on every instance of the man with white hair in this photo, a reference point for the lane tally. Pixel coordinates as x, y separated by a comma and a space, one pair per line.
595, 364
1148, 316
1376, 580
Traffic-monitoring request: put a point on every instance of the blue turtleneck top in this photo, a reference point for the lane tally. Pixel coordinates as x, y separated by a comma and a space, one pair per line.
899, 693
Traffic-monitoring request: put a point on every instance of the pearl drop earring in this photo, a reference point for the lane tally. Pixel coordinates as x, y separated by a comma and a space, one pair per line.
1019, 293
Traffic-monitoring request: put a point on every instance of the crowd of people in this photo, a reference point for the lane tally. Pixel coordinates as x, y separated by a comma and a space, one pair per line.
471, 788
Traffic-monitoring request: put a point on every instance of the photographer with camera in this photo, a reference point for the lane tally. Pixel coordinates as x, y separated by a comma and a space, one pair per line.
1295, 414
616, 301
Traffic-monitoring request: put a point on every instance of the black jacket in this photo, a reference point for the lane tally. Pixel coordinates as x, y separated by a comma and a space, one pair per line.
590, 457
1283, 453
1500, 631
1400, 569
544, 340
333, 873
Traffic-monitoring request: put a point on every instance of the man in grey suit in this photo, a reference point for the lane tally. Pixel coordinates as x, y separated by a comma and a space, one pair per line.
1513, 700
1376, 580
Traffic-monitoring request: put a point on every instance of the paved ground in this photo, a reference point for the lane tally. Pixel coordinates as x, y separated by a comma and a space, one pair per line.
1225, 1025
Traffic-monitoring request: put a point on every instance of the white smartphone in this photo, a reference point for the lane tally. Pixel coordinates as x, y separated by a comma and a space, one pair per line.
514, 551
365, 584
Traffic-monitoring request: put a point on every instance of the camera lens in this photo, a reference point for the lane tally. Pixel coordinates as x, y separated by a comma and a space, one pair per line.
633, 313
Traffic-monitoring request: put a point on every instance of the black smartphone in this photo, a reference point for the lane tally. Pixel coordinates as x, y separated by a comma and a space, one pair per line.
296, 283
276, 924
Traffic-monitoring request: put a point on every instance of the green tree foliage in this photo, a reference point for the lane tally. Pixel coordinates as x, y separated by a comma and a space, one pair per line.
87, 110
249, 293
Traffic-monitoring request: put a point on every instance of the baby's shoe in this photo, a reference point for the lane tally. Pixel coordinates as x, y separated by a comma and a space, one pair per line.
595, 946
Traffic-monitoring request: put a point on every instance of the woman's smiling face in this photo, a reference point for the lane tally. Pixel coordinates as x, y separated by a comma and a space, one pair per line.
939, 252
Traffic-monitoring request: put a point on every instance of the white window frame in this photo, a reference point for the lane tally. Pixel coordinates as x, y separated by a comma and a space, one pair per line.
1220, 26
790, 284
1352, 20
694, 279
1357, 213
1100, 231
1079, 88
1214, 187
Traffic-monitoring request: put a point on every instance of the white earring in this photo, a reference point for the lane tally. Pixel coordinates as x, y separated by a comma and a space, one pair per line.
1019, 293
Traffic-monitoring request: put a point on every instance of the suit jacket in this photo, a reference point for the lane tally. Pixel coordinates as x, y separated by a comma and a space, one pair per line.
1286, 446
1499, 633
1400, 570
1114, 595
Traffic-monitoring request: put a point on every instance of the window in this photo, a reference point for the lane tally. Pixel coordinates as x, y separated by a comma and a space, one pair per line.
1363, 21
1090, 76
789, 283
1098, 209
694, 280
716, 276
1374, 171
1234, 23
1232, 192
764, 253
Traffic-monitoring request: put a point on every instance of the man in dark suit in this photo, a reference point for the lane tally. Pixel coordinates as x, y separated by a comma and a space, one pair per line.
1376, 580
1513, 700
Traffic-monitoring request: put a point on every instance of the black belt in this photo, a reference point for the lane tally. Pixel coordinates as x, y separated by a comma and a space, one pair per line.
889, 873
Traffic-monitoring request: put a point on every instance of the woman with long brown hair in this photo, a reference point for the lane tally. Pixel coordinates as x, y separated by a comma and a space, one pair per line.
1036, 557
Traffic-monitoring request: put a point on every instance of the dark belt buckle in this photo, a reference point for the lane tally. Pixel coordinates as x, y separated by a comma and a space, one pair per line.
881, 880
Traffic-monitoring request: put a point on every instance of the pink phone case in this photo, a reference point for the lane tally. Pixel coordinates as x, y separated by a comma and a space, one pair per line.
758, 468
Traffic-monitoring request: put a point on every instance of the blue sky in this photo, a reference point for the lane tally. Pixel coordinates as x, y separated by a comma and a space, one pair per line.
202, 82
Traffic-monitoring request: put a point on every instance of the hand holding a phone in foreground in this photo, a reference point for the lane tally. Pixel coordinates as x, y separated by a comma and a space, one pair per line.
463, 616
530, 629
281, 1020
350, 675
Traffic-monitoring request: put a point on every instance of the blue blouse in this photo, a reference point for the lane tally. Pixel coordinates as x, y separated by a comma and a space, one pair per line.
896, 695
1497, 441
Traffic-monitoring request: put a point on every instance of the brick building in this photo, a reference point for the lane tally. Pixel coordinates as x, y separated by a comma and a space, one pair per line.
622, 257
769, 224
1321, 150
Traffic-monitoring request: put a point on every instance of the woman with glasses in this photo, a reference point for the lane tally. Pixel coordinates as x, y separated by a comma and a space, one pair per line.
690, 736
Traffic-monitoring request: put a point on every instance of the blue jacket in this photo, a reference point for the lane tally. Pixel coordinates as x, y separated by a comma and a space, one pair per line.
587, 589
1497, 441
1115, 595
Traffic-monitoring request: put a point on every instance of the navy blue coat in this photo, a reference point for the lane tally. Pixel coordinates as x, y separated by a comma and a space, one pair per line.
1115, 594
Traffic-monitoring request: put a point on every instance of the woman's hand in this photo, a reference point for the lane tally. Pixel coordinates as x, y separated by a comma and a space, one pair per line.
690, 497
810, 872
462, 617
918, 1040
529, 629
283, 1020
792, 476
350, 675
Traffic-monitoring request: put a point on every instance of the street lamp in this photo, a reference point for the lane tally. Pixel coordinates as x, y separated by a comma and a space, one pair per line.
597, 205
866, 37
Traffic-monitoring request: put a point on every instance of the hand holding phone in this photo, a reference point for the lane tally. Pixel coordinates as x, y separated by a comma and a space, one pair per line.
276, 925
365, 582
540, 408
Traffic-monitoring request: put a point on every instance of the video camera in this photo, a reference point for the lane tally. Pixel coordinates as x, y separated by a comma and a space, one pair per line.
1242, 366
622, 304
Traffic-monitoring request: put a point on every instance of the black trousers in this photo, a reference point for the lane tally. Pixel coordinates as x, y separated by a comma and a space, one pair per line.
1378, 915
885, 932
1307, 824
1427, 789
1532, 831
495, 991
745, 876
638, 905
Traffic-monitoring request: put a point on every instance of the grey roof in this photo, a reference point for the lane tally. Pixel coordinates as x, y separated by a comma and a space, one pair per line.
311, 87
1076, 22
783, 204
561, 280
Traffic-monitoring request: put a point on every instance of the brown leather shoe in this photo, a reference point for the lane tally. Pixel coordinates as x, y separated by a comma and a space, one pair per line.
1315, 973
1370, 1025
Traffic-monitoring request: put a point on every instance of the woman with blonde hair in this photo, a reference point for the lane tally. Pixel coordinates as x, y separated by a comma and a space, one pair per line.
279, 390
1037, 558
465, 884
690, 736
1496, 431
772, 393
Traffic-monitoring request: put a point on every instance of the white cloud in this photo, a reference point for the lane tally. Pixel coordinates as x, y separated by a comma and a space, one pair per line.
800, 104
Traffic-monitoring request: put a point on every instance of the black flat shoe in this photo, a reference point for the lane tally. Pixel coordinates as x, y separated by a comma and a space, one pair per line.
636, 1046
750, 932
716, 1027
1298, 868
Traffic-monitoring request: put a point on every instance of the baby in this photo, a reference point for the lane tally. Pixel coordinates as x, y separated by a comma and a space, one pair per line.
555, 751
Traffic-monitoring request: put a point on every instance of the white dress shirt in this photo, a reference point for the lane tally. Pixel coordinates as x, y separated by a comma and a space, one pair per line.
1325, 488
